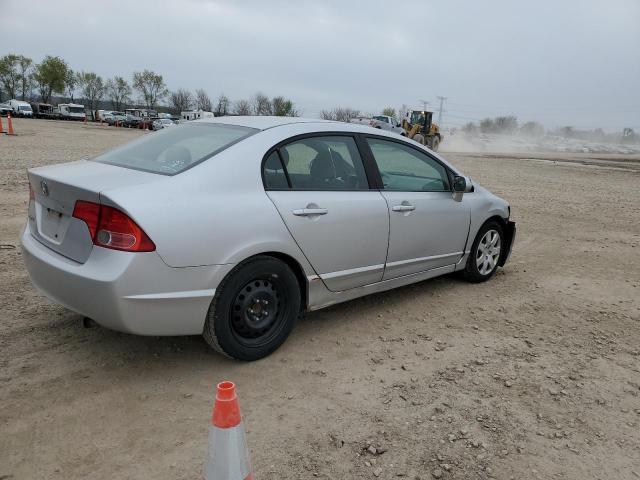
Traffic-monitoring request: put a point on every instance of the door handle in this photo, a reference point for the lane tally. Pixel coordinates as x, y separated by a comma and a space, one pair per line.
403, 208
307, 212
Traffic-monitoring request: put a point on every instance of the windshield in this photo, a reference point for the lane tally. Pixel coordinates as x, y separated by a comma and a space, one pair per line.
174, 150
76, 109
25, 107
381, 118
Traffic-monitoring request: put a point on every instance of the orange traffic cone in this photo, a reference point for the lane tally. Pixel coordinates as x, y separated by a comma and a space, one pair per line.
9, 125
227, 455
1, 131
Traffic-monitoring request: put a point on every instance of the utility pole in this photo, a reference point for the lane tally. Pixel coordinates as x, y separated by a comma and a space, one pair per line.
442, 99
425, 105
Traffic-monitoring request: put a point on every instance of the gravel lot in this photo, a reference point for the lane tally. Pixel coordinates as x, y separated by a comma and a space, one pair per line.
535, 374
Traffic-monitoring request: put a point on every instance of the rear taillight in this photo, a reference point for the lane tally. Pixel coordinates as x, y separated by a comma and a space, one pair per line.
111, 228
89, 213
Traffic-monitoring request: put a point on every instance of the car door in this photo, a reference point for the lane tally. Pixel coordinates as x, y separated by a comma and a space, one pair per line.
428, 228
321, 190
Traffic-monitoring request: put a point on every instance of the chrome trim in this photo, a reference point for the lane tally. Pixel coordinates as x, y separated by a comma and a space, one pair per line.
351, 272
422, 259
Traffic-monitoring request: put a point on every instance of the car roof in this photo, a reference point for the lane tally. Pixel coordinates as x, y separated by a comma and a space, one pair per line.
261, 122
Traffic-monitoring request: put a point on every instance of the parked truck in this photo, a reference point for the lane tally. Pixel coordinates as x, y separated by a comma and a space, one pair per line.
71, 111
383, 122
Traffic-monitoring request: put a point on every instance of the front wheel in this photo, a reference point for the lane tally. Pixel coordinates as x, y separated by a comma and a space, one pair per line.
485, 253
254, 309
418, 138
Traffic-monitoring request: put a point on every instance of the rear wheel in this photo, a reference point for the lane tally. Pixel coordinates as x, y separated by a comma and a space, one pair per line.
485, 253
254, 309
435, 143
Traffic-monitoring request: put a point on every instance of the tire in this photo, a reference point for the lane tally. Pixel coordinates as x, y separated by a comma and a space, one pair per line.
482, 263
419, 138
435, 143
239, 323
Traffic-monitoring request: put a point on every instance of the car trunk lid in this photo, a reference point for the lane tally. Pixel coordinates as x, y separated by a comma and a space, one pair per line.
55, 190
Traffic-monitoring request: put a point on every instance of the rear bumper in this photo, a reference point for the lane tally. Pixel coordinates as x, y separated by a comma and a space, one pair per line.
130, 292
510, 237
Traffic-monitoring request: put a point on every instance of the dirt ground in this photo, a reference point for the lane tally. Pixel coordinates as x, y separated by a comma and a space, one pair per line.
535, 374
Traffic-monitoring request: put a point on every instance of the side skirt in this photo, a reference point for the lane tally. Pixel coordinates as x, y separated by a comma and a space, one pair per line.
321, 297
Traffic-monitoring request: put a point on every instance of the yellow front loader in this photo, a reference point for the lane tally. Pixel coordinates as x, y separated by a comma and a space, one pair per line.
420, 127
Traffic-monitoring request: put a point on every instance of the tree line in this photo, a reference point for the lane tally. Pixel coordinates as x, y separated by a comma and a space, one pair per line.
20, 77
504, 125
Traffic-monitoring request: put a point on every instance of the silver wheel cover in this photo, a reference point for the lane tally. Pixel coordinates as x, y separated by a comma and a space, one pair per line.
488, 252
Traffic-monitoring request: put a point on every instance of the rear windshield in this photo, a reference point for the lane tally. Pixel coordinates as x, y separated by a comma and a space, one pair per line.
173, 150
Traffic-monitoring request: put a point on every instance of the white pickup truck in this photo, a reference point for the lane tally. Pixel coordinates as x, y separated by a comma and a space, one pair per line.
383, 122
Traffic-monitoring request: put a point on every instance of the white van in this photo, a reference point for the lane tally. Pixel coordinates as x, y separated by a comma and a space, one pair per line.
20, 108
71, 111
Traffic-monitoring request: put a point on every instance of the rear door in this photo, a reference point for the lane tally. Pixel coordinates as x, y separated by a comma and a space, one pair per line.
428, 228
321, 190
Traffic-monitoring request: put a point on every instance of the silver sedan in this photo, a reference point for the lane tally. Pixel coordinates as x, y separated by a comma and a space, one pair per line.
231, 227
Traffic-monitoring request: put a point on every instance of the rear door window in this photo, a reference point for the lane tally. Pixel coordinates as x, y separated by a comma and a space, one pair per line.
324, 163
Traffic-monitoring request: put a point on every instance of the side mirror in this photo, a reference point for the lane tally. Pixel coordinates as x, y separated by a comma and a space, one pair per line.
461, 185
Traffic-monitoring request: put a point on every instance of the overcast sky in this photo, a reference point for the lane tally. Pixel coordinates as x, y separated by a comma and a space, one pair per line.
562, 62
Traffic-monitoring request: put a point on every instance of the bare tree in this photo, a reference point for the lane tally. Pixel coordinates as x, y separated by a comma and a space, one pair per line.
389, 112
71, 80
262, 104
340, 114
506, 124
24, 70
532, 129
93, 89
243, 107
203, 102
151, 86
180, 100
119, 92
283, 107
223, 105
470, 128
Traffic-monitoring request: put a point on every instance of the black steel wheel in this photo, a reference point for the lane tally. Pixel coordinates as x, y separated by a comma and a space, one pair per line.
254, 309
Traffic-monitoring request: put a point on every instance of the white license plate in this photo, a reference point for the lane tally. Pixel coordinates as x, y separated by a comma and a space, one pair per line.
51, 223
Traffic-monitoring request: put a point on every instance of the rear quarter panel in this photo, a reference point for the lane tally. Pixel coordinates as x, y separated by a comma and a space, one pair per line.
214, 213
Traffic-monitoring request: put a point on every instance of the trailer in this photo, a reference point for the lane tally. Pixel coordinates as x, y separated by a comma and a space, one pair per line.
195, 114
43, 110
